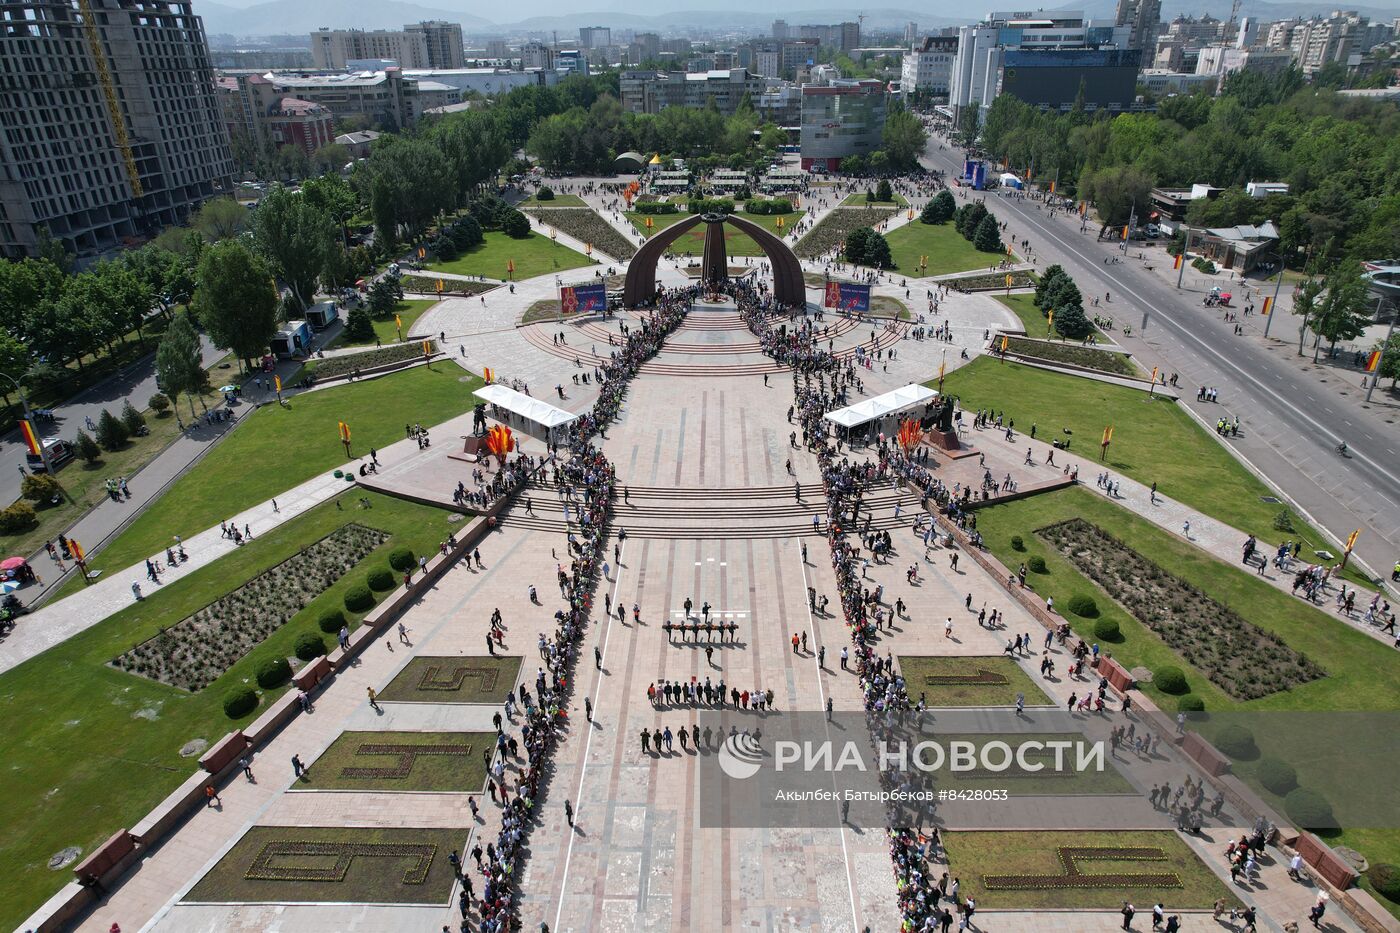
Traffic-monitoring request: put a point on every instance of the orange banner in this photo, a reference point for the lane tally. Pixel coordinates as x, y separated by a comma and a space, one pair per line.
31, 439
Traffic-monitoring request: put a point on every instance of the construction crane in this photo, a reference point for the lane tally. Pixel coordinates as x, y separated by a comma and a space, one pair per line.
109, 92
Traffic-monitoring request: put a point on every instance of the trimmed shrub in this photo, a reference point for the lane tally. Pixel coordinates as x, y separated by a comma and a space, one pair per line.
401, 559
545, 193
274, 672
133, 419
17, 517
331, 621
358, 598
1017, 544
1385, 878
39, 487
1037, 565
1107, 630
1236, 741
87, 447
310, 646
515, 225
239, 702
1170, 679
1190, 704
1309, 809
1083, 605
159, 403
656, 207
1277, 775
111, 432
380, 579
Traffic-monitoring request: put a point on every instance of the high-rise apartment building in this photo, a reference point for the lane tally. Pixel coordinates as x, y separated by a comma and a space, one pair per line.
109, 124
431, 44
1316, 43
911, 34
840, 120
1143, 18
928, 65
443, 41
594, 37
651, 91
781, 30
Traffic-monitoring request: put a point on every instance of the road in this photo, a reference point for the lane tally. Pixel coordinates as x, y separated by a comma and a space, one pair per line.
137, 382
1291, 419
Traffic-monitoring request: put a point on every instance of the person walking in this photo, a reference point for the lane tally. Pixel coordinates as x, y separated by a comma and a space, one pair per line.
569, 813
373, 700
1127, 913
211, 796
246, 766
297, 766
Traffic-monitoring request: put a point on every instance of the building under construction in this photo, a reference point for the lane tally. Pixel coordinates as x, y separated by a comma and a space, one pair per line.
109, 125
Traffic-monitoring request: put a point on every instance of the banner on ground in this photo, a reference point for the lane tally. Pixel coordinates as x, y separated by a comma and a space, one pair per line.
576, 298
848, 296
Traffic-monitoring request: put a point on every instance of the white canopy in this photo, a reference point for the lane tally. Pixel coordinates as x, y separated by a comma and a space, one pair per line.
527, 407
881, 405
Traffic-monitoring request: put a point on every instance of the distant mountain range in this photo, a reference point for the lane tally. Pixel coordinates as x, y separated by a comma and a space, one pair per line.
280, 17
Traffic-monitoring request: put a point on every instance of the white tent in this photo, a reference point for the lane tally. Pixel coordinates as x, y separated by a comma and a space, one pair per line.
1009, 180
896, 402
526, 407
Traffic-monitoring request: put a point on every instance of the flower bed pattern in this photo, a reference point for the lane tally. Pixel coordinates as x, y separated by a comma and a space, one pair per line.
264, 869
989, 281
406, 755
195, 651
333, 366
587, 227
1239, 657
453, 680
1072, 877
836, 226
427, 285
401, 762
1073, 354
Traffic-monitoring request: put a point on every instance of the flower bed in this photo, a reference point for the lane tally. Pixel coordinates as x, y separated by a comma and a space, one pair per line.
427, 285
195, 651
587, 227
1072, 877
990, 281
267, 865
836, 226
1239, 657
334, 366
1073, 354
402, 762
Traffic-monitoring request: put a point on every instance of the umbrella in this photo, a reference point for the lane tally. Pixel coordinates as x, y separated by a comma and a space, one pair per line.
12, 563
9, 586
228, 388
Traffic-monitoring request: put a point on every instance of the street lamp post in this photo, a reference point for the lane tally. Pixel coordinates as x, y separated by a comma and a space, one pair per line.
1185, 249
1273, 304
1385, 346
24, 402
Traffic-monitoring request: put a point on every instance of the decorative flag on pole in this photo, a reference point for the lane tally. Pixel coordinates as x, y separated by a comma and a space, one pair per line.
1125, 231
427, 348
344, 432
422, 252
439, 286
510, 266
488, 375
1003, 343
76, 550
1052, 187
1154, 375
1050, 319
1008, 280
1351, 539
1373, 361
649, 223
1268, 302
398, 324
277, 381
31, 438
1176, 264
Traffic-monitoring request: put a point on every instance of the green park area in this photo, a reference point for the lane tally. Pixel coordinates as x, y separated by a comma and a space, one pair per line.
692, 242
860, 200
533, 255
1037, 325
279, 448
945, 248
969, 681
97, 747
402, 762
409, 310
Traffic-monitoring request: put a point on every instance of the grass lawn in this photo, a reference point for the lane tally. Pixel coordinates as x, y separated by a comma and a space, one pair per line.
432, 762
1153, 441
282, 447
460, 679
408, 310
534, 255
973, 856
376, 866
1036, 324
1360, 672
96, 747
945, 248
969, 681
692, 242
1073, 353
858, 200
559, 200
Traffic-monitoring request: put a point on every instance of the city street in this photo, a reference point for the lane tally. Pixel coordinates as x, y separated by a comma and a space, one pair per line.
1291, 423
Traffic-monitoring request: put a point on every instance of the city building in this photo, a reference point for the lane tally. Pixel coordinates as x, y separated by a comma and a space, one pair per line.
536, 55
357, 143
497, 48
780, 104
1143, 18
443, 41
778, 58
843, 36
110, 129
1053, 79
335, 49
645, 47
388, 99
928, 65
267, 120
1316, 43
911, 34
1164, 83
594, 37
651, 91
839, 121
781, 30
1221, 60
487, 81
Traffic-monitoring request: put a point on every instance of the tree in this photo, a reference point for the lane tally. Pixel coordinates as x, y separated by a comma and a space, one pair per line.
330, 195
384, 297
1115, 191
40, 487
1304, 305
294, 238
220, 219
1071, 322
134, 421
1045, 283
158, 402
883, 191
903, 139
178, 364
87, 448
330, 158
236, 300
111, 433
940, 209
865, 247
987, 238
969, 120
1342, 313
1390, 360
972, 219
358, 326
515, 225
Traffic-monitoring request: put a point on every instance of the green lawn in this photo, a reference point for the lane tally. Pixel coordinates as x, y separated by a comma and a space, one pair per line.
858, 200
1036, 324
559, 200
1154, 440
969, 681
96, 748
974, 855
282, 447
692, 242
408, 310
945, 248
533, 255
421, 874
457, 679
402, 762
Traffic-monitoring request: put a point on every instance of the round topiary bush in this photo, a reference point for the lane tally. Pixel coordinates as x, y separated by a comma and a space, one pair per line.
1236, 741
1017, 544
274, 672
1107, 630
310, 646
358, 598
1278, 776
1385, 878
1037, 565
380, 579
1170, 679
401, 559
1083, 605
331, 621
545, 193
1190, 704
1309, 809
239, 702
